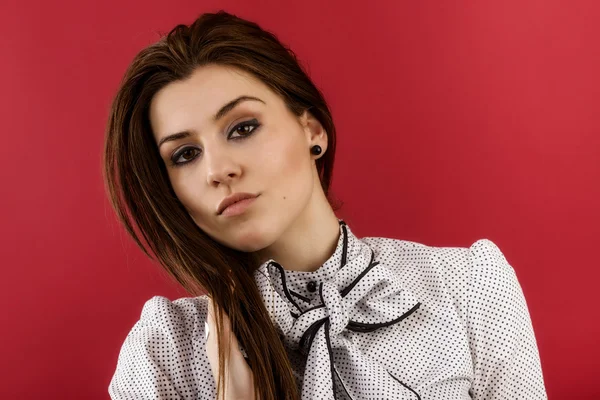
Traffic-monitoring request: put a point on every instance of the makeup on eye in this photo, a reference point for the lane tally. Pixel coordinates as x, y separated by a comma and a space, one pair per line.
249, 123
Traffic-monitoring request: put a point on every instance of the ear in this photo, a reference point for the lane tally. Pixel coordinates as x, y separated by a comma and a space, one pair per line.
315, 132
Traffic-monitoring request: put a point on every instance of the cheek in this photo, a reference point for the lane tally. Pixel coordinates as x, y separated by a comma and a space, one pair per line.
287, 168
189, 194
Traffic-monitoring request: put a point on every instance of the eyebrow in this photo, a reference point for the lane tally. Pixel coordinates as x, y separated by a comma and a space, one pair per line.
220, 114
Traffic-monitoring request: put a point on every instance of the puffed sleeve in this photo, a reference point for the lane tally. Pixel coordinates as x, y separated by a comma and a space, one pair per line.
163, 355
505, 354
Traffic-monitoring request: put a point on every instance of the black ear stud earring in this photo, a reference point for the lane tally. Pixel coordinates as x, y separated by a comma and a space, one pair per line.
316, 150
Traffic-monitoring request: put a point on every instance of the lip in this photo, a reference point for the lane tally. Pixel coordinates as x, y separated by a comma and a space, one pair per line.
232, 199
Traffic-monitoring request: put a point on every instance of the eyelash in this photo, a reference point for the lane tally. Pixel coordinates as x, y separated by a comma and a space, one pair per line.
253, 123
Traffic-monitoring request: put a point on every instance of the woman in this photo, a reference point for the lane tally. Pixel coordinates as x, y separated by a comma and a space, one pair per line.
219, 153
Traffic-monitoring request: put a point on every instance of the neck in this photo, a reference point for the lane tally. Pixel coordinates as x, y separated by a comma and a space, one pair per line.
308, 242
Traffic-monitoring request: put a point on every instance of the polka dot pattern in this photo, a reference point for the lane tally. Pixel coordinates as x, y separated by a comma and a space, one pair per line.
453, 324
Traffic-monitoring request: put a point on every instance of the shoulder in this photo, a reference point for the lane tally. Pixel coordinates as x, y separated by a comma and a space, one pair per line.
495, 294
485, 256
482, 251
172, 323
452, 262
478, 278
171, 320
436, 272
163, 351
167, 314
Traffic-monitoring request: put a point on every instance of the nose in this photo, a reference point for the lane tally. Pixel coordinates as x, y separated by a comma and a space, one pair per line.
221, 166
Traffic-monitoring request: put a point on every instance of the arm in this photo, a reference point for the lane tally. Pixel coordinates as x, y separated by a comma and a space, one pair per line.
505, 355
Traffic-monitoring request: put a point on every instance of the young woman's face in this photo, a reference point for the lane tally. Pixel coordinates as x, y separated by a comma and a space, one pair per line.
257, 146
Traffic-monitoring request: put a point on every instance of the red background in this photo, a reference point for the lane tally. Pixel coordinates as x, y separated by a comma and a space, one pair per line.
457, 121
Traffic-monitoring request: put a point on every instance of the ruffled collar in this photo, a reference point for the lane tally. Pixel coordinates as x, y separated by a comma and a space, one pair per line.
352, 291
298, 283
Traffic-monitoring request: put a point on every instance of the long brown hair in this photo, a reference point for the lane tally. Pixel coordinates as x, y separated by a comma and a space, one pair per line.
141, 194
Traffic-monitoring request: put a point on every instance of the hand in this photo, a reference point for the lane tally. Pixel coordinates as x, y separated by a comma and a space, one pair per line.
239, 380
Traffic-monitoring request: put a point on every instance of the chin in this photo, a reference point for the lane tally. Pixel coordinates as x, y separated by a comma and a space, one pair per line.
250, 236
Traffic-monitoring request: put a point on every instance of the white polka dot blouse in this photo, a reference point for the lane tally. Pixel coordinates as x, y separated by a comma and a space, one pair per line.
382, 318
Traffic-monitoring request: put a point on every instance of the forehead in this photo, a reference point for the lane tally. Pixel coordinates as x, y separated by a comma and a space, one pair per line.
180, 104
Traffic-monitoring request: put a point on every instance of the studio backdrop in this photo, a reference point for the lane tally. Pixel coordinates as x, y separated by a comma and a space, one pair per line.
456, 121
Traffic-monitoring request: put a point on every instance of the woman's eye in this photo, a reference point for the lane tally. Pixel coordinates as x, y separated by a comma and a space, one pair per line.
251, 125
188, 154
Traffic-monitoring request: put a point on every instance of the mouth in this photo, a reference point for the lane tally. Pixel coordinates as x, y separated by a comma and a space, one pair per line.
235, 204
238, 207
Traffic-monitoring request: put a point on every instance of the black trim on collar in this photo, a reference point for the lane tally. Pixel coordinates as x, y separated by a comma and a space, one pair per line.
298, 295
345, 247
361, 327
347, 289
285, 289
